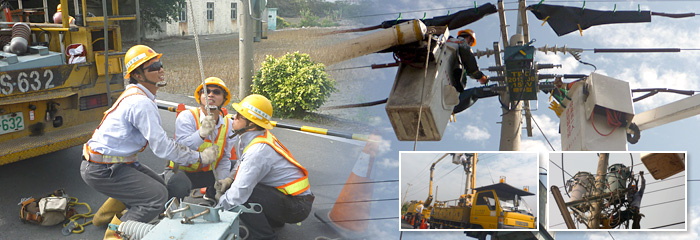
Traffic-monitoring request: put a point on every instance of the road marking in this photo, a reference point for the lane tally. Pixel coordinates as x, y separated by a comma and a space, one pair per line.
334, 138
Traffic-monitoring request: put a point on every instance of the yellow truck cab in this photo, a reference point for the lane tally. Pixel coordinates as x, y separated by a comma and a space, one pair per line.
500, 206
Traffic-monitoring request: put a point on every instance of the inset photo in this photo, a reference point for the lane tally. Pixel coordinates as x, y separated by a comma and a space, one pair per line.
444, 191
623, 191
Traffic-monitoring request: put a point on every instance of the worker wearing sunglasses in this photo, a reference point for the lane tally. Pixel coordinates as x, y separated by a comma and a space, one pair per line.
110, 164
198, 137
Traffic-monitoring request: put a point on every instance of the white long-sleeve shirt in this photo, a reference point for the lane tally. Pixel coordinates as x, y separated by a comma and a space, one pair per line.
134, 123
187, 133
260, 164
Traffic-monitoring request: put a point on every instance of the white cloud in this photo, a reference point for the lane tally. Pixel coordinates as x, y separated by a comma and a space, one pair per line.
389, 163
473, 133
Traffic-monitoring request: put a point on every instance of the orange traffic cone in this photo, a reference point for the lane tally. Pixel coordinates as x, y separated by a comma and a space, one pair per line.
351, 204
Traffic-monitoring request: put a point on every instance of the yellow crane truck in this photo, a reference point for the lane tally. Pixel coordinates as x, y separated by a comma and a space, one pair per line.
53, 95
497, 206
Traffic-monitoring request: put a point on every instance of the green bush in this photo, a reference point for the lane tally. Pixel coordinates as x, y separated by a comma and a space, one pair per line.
281, 23
308, 19
293, 83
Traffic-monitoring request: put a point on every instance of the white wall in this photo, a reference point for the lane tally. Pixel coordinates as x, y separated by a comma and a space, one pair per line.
221, 24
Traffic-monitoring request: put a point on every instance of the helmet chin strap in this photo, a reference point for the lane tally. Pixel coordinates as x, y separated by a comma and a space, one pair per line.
157, 84
237, 132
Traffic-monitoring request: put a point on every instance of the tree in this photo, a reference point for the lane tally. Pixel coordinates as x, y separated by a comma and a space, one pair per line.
154, 12
293, 83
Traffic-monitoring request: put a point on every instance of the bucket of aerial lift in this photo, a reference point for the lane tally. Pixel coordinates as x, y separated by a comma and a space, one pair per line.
435, 106
584, 124
582, 187
663, 165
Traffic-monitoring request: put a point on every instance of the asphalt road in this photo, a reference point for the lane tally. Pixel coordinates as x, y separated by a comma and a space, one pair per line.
328, 160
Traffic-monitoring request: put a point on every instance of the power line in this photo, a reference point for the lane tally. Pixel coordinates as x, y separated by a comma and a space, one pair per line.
555, 164
545, 136
370, 182
663, 203
668, 225
358, 220
359, 201
667, 188
611, 235
666, 179
347, 68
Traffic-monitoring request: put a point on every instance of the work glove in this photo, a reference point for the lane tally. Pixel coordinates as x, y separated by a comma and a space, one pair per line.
484, 80
208, 156
206, 127
221, 186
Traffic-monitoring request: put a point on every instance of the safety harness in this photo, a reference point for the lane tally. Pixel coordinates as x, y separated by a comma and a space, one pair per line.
97, 157
220, 141
295, 187
53, 209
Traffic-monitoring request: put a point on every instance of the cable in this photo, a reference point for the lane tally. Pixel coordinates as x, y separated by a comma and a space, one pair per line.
555, 164
611, 235
563, 180
666, 179
366, 219
348, 68
545, 136
663, 203
667, 188
356, 105
359, 201
370, 182
668, 225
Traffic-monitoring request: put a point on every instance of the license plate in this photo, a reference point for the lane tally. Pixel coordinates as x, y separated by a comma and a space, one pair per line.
12, 122
521, 223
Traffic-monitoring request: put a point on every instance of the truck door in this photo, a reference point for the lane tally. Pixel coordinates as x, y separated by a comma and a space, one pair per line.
484, 211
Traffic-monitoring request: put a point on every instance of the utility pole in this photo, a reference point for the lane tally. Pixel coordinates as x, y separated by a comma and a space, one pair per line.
510, 122
596, 206
245, 49
404, 195
562, 207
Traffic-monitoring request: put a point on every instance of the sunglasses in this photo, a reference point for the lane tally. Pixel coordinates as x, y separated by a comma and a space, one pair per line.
215, 91
156, 66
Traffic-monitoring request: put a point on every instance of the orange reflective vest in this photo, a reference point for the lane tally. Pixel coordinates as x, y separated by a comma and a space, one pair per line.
96, 157
295, 187
220, 141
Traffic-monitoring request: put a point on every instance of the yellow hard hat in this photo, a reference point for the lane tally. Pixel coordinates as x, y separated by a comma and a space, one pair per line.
136, 56
470, 33
214, 81
256, 108
58, 8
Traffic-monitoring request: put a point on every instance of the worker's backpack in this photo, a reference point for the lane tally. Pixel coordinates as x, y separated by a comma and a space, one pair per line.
47, 211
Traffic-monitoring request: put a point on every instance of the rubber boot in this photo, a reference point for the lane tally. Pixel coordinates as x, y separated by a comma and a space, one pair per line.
112, 234
109, 209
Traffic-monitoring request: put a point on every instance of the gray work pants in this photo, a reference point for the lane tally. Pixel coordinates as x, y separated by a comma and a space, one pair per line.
278, 208
134, 184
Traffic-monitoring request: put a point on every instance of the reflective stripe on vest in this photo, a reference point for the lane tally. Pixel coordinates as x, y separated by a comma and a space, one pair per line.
220, 141
295, 187
96, 157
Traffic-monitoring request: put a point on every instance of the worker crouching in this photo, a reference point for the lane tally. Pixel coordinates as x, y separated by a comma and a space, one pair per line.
267, 173
110, 163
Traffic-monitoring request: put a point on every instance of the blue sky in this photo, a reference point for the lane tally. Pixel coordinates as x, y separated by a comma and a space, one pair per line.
478, 129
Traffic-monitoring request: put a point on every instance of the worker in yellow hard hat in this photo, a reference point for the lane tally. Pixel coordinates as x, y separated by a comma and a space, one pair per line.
267, 174
419, 215
110, 163
188, 132
58, 16
466, 39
